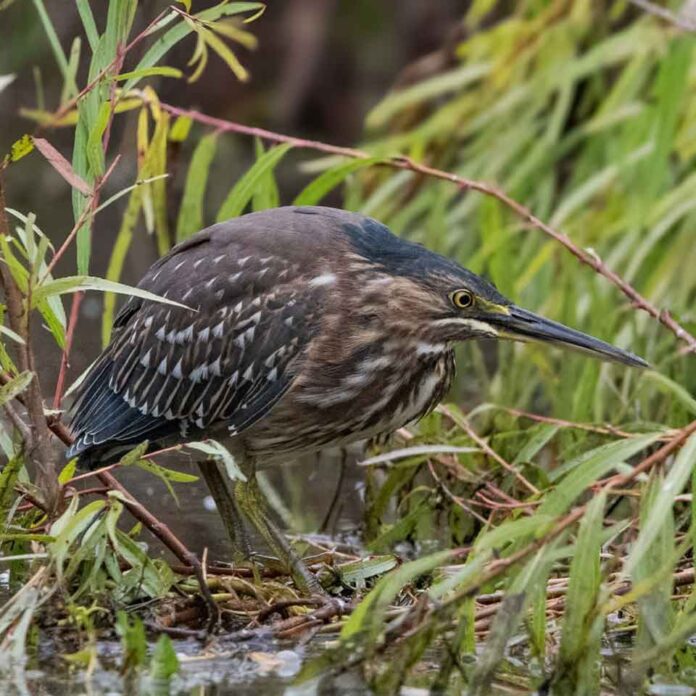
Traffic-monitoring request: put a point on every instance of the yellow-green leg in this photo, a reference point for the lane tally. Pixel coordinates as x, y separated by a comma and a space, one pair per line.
252, 503
228, 509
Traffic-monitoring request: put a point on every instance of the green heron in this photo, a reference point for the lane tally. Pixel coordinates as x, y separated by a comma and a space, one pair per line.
303, 328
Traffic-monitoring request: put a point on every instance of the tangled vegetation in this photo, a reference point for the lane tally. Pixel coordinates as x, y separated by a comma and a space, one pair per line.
536, 533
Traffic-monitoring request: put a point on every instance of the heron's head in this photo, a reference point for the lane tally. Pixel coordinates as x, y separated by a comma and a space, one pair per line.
447, 303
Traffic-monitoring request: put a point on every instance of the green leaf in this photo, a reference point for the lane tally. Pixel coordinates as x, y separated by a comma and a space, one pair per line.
356, 572
425, 90
578, 654
15, 387
69, 527
68, 284
164, 664
240, 195
669, 386
173, 36
133, 641
95, 153
88, 23
224, 51
328, 180
674, 483
158, 71
513, 530
8, 478
218, 451
191, 210
266, 195
589, 467
180, 130
54, 41
19, 148
368, 616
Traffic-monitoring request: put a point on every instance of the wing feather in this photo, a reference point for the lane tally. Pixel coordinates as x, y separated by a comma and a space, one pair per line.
170, 370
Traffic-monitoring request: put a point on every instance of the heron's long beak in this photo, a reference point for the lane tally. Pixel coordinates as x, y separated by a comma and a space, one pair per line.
520, 325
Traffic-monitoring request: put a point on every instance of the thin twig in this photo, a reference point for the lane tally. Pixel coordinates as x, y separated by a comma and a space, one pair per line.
401, 162
466, 427
681, 21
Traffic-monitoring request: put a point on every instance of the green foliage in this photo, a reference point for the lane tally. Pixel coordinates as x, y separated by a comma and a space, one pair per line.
582, 111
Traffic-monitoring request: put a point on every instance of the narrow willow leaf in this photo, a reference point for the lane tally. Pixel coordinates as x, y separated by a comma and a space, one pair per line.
504, 625
266, 195
180, 129
19, 148
508, 618
174, 35
191, 211
8, 477
69, 86
61, 165
15, 387
75, 283
240, 195
577, 658
328, 180
541, 436
216, 450
226, 53
513, 530
674, 483
118, 257
54, 41
671, 387
156, 71
425, 90
68, 529
369, 614
6, 81
11, 334
88, 23
164, 664
356, 572
590, 467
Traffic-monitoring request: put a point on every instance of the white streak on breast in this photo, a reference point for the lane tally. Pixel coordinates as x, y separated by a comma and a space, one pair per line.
323, 279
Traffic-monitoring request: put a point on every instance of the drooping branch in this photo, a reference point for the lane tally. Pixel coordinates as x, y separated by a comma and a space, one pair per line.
399, 162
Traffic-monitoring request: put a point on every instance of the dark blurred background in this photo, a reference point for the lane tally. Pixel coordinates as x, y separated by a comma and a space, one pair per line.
320, 66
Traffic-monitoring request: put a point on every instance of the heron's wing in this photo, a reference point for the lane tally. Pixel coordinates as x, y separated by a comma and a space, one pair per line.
173, 371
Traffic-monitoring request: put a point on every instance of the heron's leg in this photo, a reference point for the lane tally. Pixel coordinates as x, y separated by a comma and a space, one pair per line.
254, 506
228, 508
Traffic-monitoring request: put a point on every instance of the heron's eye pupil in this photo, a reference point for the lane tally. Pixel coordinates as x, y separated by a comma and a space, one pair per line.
462, 299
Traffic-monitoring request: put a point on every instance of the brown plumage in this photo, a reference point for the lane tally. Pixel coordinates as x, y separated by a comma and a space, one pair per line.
308, 327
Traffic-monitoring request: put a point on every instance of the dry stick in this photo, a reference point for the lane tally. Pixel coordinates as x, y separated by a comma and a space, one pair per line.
464, 425
38, 446
602, 430
590, 259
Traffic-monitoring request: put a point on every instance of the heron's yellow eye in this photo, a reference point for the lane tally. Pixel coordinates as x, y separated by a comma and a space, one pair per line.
462, 299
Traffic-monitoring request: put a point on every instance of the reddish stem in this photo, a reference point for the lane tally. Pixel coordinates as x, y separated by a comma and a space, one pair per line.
65, 358
400, 162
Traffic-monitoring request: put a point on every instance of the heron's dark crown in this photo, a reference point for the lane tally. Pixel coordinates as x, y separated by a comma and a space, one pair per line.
393, 255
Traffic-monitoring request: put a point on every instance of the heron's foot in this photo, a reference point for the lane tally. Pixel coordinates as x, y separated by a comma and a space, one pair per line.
253, 504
